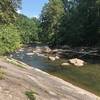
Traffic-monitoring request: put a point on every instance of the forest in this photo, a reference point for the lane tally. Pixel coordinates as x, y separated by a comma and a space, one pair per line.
62, 22
73, 22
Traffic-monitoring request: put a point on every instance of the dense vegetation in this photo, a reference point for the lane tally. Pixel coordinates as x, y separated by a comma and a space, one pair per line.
72, 22
50, 18
9, 38
15, 29
28, 29
8, 10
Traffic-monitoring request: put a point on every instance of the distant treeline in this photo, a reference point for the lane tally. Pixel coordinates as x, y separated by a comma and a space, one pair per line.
71, 22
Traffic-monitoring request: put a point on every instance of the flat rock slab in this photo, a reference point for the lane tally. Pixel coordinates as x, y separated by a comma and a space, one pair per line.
46, 87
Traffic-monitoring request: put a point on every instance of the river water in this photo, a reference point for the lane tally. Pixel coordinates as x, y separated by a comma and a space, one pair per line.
87, 77
27, 56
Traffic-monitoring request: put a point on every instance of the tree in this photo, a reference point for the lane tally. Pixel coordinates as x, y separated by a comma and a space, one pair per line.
28, 28
8, 10
80, 23
50, 16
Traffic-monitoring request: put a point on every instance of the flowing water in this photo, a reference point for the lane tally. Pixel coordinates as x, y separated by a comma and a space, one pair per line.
27, 56
87, 77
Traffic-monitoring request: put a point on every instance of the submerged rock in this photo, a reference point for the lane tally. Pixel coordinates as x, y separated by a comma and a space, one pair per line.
29, 54
65, 64
76, 62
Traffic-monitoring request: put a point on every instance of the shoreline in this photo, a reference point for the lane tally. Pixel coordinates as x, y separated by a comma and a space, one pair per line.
66, 86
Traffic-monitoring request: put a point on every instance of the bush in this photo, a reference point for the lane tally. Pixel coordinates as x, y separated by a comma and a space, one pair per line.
9, 38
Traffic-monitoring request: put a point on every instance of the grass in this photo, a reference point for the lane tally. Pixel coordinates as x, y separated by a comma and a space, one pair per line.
30, 95
2, 73
87, 77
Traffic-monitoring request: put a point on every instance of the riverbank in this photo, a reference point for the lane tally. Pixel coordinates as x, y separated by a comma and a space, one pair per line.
18, 80
86, 77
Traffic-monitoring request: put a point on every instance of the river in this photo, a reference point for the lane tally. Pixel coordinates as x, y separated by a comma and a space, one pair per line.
27, 56
87, 77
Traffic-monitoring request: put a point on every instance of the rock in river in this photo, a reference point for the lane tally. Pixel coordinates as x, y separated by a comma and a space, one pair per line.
77, 62
57, 57
65, 64
52, 58
46, 49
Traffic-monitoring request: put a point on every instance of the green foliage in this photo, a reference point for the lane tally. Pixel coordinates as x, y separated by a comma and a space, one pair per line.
23, 30
50, 16
80, 27
28, 29
30, 95
9, 35
8, 10
72, 22
9, 38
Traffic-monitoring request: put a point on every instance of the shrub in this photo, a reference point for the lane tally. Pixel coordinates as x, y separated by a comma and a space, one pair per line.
9, 38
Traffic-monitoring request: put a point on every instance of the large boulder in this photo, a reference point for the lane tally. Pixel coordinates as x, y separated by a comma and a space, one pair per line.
77, 62
51, 58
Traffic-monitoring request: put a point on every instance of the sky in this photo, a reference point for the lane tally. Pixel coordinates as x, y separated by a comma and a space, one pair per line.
32, 8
